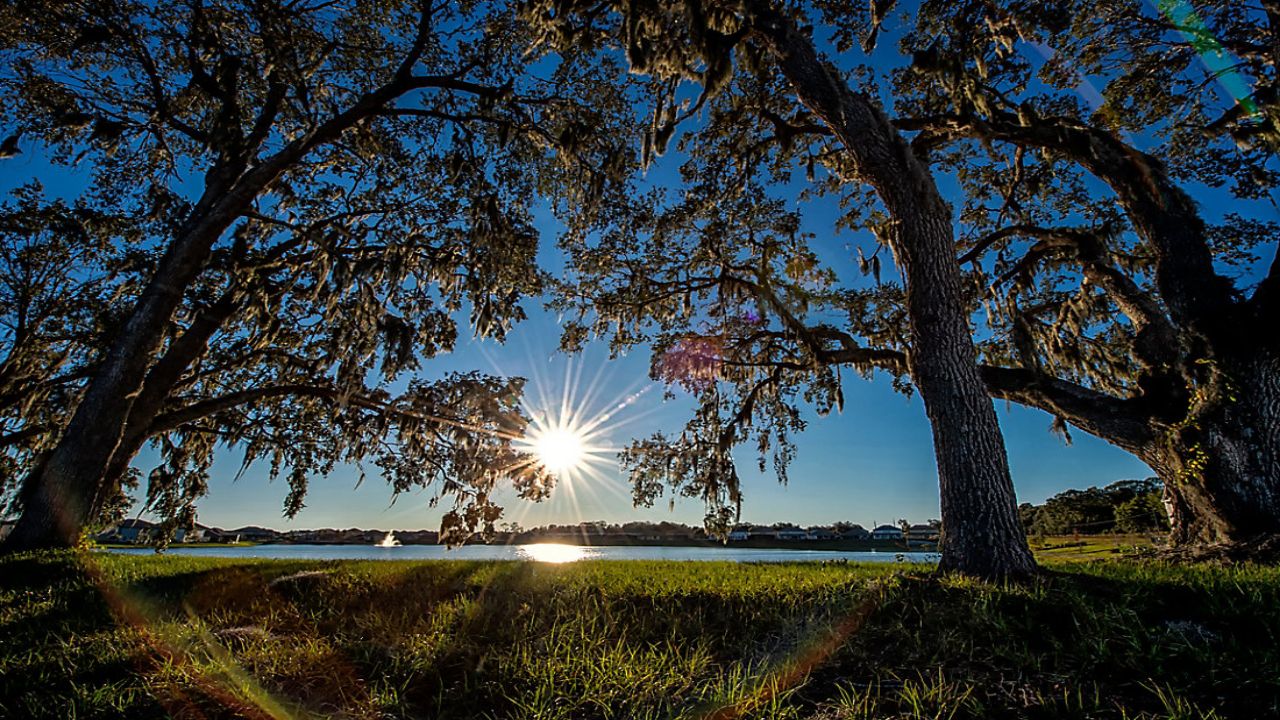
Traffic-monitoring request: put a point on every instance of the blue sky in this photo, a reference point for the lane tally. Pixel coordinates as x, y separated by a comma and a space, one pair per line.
871, 463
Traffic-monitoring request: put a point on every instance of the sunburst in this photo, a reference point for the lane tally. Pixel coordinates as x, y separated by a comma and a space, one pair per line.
570, 428
565, 443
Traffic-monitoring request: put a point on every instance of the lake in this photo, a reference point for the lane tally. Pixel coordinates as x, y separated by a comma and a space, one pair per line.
541, 552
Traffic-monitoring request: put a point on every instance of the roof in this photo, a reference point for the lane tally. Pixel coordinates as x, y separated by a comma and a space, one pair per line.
894, 528
136, 523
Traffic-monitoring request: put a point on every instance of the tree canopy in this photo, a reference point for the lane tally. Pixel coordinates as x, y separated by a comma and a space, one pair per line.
316, 195
293, 207
1078, 137
767, 101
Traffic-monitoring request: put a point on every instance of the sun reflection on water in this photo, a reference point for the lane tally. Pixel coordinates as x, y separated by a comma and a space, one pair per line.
553, 552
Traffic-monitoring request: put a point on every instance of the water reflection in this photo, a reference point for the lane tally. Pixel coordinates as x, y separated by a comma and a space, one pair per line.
552, 552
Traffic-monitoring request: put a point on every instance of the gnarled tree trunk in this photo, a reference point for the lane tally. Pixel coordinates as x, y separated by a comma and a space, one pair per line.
1221, 464
61, 494
1221, 468
982, 535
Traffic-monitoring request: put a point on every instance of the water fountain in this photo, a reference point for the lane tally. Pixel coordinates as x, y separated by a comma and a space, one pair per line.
389, 541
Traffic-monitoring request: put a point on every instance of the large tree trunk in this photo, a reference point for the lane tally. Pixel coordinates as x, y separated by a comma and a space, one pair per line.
1221, 468
982, 535
60, 494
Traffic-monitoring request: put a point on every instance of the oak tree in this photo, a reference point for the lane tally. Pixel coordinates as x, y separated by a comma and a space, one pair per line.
1118, 161
723, 254
318, 194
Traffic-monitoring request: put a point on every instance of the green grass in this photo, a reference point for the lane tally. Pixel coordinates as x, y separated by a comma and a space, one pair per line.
1067, 548
103, 635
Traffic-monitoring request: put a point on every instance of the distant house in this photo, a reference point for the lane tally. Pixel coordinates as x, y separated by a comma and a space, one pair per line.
138, 531
739, 534
923, 533
822, 533
253, 533
130, 531
857, 532
792, 534
886, 532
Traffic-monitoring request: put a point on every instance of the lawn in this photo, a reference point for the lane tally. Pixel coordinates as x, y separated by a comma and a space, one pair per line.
101, 635
1068, 548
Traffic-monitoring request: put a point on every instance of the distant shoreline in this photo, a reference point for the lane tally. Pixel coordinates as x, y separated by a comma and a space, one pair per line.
826, 545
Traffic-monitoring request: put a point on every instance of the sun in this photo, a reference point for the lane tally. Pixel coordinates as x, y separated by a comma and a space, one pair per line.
560, 450
567, 439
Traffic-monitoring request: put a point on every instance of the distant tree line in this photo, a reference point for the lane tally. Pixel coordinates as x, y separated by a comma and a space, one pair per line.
1124, 506
600, 527
667, 529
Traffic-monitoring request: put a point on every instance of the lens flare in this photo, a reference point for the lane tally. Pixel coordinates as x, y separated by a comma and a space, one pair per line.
1217, 60
571, 429
566, 443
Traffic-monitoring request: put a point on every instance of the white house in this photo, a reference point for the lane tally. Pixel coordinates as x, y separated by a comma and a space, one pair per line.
739, 534
886, 532
923, 533
792, 534
821, 533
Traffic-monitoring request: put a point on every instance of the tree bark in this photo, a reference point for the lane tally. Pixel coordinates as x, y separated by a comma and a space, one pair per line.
982, 535
1221, 467
1219, 464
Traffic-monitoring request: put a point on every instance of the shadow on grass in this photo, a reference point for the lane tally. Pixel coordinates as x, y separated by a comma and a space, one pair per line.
59, 646
1104, 641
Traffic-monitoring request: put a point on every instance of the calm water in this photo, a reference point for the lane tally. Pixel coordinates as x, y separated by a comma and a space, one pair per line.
539, 552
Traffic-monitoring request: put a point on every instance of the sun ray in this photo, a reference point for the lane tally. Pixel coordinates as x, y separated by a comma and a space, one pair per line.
570, 428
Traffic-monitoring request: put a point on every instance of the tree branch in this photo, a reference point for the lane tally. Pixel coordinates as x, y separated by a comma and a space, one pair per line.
1198, 298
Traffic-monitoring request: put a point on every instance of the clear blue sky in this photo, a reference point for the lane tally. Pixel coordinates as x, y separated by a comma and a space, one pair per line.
873, 463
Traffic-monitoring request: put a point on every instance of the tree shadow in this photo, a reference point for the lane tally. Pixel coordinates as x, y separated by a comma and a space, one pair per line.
1096, 641
57, 637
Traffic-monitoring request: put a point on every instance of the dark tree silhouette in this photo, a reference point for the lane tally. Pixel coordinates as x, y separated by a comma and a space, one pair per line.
316, 193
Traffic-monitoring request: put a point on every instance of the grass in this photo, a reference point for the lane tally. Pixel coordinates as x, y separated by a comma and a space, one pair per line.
103, 635
1067, 548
